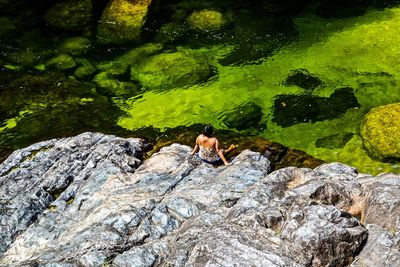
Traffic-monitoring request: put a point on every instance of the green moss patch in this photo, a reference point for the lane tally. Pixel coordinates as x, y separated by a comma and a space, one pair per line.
207, 20
380, 131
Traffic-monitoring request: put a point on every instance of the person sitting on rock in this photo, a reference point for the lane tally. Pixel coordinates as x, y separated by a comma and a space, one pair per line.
208, 147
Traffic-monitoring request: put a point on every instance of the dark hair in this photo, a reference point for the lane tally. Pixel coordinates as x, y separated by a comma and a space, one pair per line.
208, 130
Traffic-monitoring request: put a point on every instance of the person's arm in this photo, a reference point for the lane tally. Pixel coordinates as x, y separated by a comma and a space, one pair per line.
220, 152
196, 147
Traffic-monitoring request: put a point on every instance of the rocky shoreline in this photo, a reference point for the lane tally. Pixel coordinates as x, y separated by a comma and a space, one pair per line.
91, 200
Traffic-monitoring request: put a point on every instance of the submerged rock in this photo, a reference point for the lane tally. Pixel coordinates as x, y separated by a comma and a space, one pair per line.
71, 15
122, 21
341, 8
24, 57
244, 117
292, 109
61, 62
86, 201
85, 69
338, 140
172, 32
256, 37
169, 70
206, 20
379, 130
113, 87
76, 46
296, 158
121, 64
38, 107
7, 26
302, 78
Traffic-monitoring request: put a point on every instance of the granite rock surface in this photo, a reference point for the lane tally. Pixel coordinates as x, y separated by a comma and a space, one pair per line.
91, 200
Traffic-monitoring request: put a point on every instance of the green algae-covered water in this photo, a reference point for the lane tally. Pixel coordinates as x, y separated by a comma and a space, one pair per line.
302, 79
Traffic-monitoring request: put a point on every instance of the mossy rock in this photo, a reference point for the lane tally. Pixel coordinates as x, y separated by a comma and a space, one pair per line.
379, 131
290, 109
121, 64
76, 46
61, 62
169, 70
245, 117
86, 69
7, 26
71, 15
122, 21
112, 87
206, 20
24, 57
172, 32
302, 78
338, 140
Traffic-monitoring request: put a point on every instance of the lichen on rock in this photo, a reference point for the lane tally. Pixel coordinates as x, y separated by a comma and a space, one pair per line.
122, 21
379, 130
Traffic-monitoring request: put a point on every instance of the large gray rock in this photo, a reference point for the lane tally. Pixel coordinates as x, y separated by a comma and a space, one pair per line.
381, 250
47, 183
381, 214
174, 210
382, 202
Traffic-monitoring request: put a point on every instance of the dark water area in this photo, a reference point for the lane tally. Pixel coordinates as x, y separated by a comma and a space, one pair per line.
294, 72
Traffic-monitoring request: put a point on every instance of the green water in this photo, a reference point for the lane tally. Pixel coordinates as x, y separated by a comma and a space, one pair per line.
361, 53
341, 52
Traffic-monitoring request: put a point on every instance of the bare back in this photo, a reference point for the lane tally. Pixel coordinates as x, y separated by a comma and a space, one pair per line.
207, 142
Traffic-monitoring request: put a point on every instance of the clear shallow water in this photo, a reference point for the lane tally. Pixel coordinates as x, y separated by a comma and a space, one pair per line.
356, 53
361, 53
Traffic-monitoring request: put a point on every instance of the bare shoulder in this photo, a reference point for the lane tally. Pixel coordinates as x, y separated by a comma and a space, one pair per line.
214, 140
199, 138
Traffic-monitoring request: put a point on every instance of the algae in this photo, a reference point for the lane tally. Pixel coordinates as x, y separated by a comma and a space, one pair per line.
361, 53
249, 67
